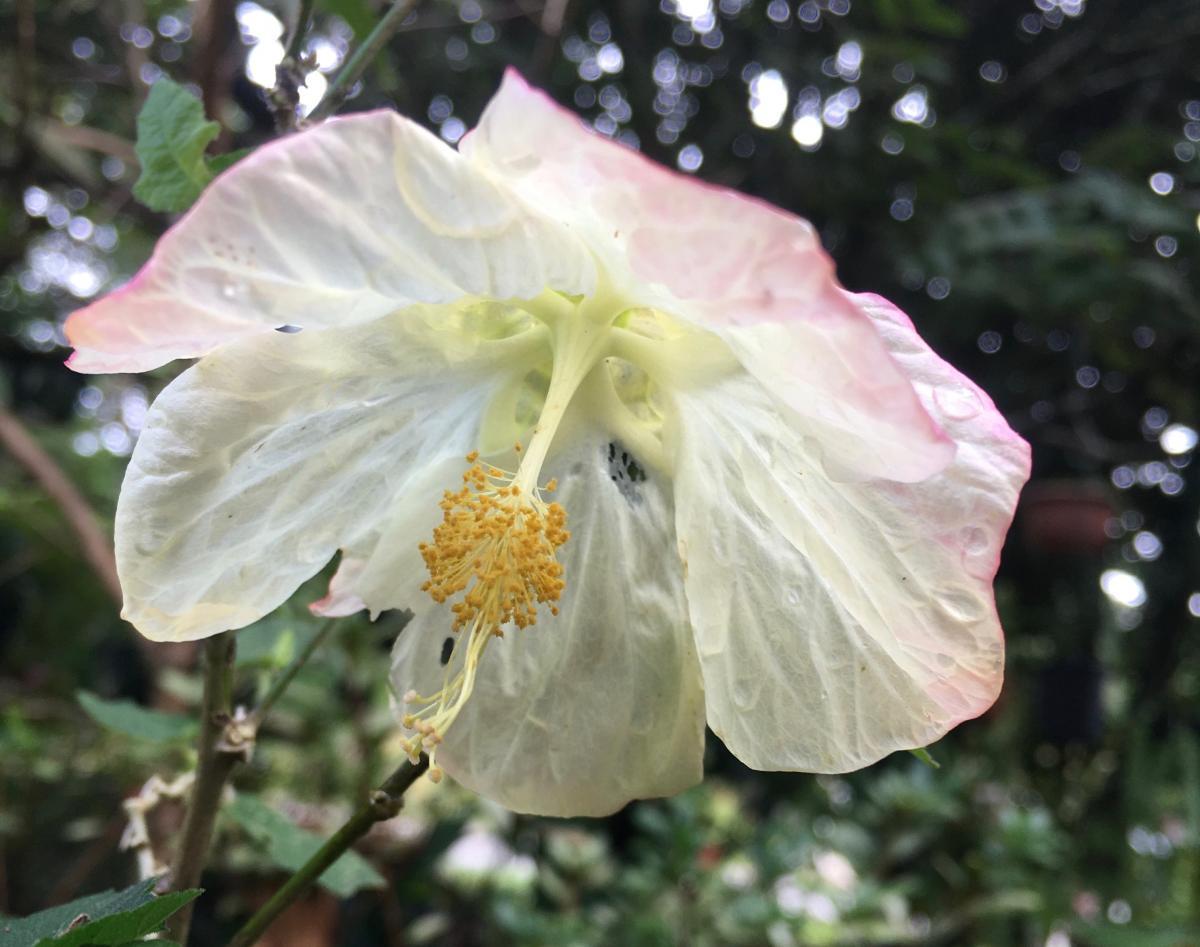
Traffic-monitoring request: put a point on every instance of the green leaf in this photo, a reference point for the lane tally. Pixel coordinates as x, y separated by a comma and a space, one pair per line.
357, 14
290, 846
98, 920
172, 134
1110, 935
218, 163
123, 716
923, 755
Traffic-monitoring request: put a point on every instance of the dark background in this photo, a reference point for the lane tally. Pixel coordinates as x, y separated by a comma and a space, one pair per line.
1020, 176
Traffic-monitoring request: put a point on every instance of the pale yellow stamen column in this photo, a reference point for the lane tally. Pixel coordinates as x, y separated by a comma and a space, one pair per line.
498, 540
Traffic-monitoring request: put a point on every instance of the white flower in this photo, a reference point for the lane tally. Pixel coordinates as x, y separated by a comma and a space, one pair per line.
784, 510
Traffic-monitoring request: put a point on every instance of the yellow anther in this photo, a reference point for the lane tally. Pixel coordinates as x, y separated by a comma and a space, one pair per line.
495, 551
498, 546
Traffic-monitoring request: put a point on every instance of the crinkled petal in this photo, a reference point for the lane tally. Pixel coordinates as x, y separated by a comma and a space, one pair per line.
383, 568
602, 704
337, 225
751, 272
837, 622
260, 461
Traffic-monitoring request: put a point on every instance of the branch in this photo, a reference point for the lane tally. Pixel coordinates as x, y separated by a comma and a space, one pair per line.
384, 804
95, 545
357, 64
291, 73
221, 745
554, 14
280, 684
92, 139
299, 28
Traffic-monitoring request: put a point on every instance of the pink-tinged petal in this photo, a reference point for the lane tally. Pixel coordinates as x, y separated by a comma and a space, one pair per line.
755, 274
335, 226
840, 621
601, 704
262, 460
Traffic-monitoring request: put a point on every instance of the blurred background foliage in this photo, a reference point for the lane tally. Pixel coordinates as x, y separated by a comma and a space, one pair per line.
1020, 175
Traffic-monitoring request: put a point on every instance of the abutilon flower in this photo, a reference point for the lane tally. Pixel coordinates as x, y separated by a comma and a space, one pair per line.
702, 481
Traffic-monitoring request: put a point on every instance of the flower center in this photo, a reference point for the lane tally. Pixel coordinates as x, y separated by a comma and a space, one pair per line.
494, 555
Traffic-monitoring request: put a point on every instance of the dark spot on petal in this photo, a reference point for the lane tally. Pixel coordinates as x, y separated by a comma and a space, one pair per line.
447, 650
288, 329
625, 472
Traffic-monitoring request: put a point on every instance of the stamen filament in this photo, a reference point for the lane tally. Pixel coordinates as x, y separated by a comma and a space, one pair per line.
495, 550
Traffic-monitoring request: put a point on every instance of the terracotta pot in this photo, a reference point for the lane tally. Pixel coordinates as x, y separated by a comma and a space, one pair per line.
1066, 516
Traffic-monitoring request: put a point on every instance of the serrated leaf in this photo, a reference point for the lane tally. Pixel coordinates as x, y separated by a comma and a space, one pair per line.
107, 918
126, 717
172, 134
290, 846
154, 943
118, 929
923, 755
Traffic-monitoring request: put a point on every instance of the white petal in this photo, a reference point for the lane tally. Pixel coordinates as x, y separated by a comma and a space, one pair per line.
263, 459
341, 224
597, 706
847, 395
383, 568
838, 622
753, 273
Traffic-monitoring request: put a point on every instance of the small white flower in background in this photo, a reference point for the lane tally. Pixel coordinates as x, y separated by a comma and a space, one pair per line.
776, 511
480, 857
835, 870
739, 873
794, 900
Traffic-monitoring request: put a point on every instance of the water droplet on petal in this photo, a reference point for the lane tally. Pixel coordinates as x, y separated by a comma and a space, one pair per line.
974, 540
944, 661
958, 402
961, 606
745, 693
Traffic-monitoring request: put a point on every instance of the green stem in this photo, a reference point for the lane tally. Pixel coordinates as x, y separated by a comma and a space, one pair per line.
280, 684
357, 64
383, 804
212, 771
299, 30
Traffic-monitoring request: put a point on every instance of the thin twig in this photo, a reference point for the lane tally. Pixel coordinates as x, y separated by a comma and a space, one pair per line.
133, 12
299, 30
554, 15
217, 757
291, 73
92, 139
357, 64
215, 29
26, 64
281, 682
383, 804
95, 545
